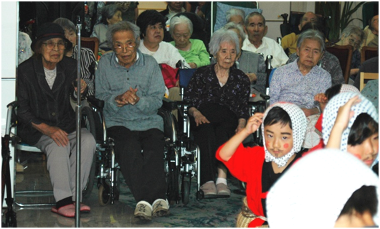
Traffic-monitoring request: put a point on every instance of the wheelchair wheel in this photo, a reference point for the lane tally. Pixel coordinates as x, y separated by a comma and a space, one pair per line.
104, 195
89, 122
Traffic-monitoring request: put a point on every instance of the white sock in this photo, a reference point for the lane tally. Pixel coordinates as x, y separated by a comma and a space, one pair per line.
221, 181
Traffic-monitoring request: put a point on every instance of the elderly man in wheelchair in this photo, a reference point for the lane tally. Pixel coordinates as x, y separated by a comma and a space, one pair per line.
132, 87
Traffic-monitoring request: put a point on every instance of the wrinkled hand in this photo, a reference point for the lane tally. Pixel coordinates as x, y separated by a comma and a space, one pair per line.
83, 86
321, 98
200, 118
59, 136
345, 113
252, 76
254, 123
128, 97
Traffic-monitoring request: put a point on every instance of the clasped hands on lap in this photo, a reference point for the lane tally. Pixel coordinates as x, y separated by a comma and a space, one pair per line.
128, 97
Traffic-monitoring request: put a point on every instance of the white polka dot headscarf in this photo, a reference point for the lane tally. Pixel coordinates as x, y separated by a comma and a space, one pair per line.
299, 123
348, 88
331, 111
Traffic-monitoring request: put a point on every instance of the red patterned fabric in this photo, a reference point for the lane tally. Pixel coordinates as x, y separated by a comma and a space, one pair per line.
170, 75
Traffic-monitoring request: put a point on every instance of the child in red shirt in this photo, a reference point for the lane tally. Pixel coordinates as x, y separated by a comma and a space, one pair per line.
284, 127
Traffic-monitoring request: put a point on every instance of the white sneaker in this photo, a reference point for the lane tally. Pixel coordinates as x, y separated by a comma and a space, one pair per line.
143, 210
160, 207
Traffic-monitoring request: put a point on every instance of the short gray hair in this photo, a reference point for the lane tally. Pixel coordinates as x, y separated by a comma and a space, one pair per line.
353, 29
238, 27
221, 36
313, 35
234, 12
65, 23
123, 26
108, 11
176, 20
254, 13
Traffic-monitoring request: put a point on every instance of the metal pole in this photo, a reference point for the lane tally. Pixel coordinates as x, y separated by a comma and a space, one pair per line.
78, 112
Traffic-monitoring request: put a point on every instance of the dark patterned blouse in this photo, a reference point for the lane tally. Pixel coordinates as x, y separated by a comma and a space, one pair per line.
204, 88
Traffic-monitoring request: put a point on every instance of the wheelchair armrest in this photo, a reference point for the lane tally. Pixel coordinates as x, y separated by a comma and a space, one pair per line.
265, 97
169, 104
14, 104
97, 103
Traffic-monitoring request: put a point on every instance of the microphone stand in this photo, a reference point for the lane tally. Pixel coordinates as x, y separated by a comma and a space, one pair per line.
78, 136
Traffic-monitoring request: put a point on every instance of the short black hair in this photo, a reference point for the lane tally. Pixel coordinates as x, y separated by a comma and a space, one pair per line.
362, 200
333, 91
149, 17
363, 127
314, 25
277, 115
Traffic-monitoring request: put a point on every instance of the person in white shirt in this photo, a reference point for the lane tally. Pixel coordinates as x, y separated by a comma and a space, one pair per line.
257, 42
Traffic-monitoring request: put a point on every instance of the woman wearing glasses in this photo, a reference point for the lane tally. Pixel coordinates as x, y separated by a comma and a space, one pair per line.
132, 87
46, 119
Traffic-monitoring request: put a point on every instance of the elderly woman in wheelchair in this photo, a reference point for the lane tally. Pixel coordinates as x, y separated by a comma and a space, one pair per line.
132, 87
46, 118
217, 95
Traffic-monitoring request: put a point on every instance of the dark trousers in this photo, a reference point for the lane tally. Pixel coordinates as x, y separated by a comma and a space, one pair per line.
140, 155
210, 136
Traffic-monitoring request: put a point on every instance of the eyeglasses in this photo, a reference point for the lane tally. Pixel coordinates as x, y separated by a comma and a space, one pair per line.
60, 44
121, 47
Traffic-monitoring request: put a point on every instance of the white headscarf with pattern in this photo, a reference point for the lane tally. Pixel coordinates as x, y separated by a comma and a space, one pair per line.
348, 88
299, 123
313, 192
331, 111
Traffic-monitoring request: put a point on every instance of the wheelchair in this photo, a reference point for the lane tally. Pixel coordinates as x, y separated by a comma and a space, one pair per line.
181, 156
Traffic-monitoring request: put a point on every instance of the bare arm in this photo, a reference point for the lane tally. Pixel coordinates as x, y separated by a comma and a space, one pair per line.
231, 145
344, 115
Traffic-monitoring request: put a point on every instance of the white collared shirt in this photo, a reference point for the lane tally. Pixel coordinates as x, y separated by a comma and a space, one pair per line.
268, 47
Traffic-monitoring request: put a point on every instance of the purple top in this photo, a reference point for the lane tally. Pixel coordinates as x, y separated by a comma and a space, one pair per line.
289, 85
204, 88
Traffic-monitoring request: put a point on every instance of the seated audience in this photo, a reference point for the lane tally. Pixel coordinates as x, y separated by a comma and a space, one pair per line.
111, 14
325, 189
24, 50
217, 95
87, 57
252, 64
236, 16
328, 62
290, 41
129, 11
257, 42
193, 50
283, 130
353, 35
172, 9
151, 25
46, 119
299, 81
372, 32
130, 111
350, 123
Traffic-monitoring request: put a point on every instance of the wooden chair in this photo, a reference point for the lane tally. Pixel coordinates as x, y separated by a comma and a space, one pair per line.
364, 76
91, 43
344, 54
368, 52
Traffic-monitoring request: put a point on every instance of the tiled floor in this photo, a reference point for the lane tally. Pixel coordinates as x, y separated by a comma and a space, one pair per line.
203, 213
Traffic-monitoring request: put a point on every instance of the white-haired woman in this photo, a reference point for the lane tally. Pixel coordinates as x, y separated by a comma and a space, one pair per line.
217, 95
193, 50
252, 64
236, 16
